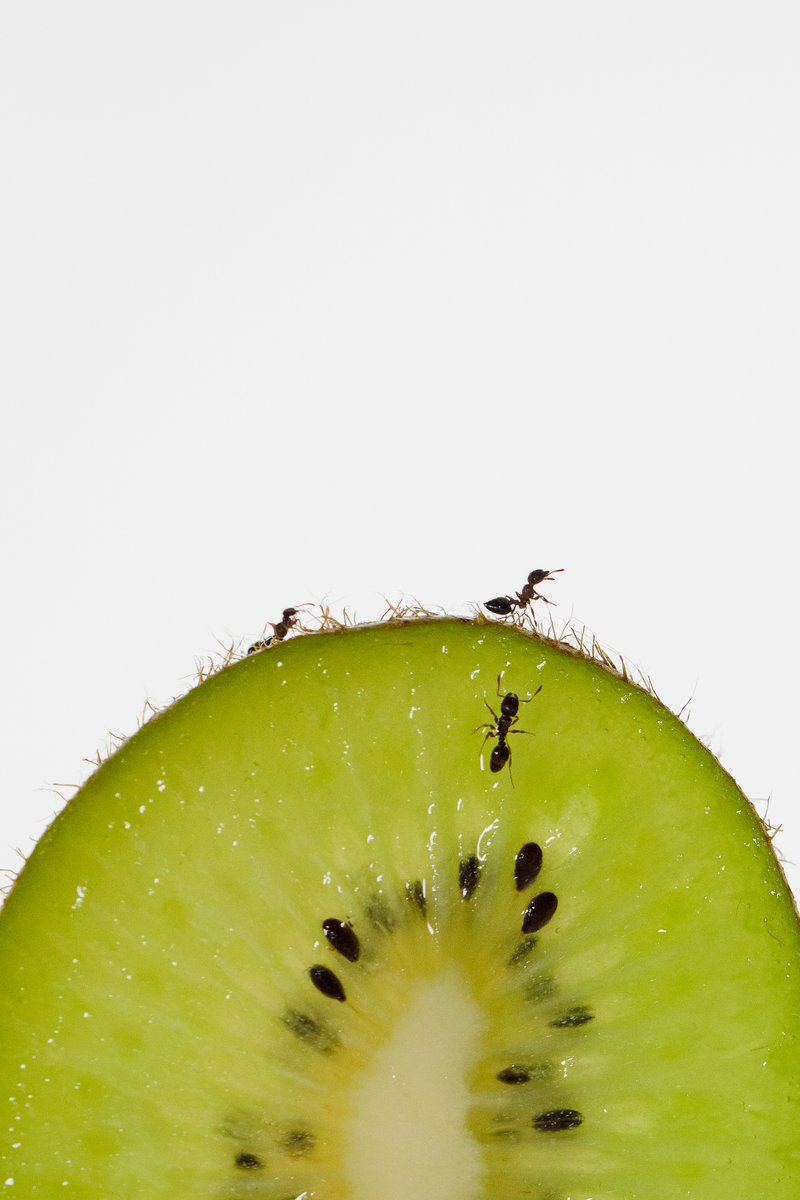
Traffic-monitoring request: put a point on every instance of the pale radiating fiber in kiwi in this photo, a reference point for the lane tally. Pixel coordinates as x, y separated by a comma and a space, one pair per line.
297, 940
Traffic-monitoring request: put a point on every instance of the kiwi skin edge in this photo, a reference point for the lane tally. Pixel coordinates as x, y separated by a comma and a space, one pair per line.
162, 1033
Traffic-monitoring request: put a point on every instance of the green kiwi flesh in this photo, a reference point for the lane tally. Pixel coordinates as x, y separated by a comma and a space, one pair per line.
296, 939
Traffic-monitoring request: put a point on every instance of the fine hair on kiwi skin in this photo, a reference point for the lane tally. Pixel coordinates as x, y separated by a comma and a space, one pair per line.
296, 939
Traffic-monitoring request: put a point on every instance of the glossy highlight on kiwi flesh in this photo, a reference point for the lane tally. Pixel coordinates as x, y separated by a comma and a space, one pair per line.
295, 939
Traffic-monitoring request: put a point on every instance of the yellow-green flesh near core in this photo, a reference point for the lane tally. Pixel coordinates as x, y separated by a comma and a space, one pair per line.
175, 1022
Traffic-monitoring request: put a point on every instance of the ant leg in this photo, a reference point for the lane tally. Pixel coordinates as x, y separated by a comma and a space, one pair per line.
298, 608
491, 733
491, 710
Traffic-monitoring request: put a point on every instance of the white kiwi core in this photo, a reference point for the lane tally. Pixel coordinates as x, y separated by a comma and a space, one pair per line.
408, 1133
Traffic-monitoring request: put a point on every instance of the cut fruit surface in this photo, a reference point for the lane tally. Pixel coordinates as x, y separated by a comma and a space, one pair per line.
297, 939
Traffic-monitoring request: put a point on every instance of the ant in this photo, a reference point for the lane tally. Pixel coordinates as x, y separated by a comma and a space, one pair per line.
504, 605
501, 727
288, 621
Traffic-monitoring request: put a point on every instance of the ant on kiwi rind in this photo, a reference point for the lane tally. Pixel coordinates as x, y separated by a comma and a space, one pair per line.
503, 606
289, 619
501, 728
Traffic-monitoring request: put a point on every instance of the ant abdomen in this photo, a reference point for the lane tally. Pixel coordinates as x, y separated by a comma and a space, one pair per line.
499, 756
501, 605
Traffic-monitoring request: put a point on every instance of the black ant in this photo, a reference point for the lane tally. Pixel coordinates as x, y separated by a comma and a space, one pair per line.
501, 727
504, 605
288, 621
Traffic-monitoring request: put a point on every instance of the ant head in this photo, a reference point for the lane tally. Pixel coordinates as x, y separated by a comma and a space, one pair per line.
509, 705
540, 576
537, 577
293, 612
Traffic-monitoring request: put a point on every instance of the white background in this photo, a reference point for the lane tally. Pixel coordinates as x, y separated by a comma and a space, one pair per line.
332, 301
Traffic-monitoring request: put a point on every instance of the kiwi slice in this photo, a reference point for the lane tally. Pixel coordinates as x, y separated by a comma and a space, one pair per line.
298, 939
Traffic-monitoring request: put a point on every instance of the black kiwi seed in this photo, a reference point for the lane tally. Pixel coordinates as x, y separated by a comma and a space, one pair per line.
506, 1133
308, 1030
469, 875
527, 865
540, 910
557, 1119
248, 1162
343, 938
326, 982
379, 914
576, 1016
298, 1142
540, 988
522, 951
514, 1075
416, 894
238, 1125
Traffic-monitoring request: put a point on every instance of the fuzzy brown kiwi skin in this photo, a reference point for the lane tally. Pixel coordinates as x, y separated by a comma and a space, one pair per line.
572, 639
